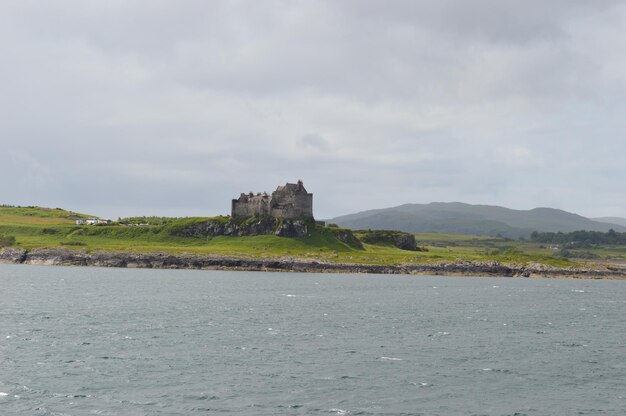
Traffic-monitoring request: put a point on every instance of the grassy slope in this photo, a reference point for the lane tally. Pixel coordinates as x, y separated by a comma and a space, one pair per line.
38, 227
36, 215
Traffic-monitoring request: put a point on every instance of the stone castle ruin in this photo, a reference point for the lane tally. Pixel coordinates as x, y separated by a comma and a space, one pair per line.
288, 201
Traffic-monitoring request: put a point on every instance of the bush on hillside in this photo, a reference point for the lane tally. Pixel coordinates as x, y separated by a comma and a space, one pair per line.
6, 240
73, 243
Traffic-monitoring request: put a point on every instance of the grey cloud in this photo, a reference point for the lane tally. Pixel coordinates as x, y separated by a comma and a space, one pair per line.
119, 108
314, 141
512, 21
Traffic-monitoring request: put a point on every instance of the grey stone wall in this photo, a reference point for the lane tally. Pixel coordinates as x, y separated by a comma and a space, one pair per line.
250, 205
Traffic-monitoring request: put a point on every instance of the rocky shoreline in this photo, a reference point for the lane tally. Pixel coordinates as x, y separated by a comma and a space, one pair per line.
66, 257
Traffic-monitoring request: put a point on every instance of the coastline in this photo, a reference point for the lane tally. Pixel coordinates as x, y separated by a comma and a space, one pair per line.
66, 257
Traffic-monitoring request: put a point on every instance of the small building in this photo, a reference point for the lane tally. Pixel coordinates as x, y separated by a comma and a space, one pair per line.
288, 201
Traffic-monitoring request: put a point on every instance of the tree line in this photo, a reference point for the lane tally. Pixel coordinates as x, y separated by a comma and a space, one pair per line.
580, 238
146, 220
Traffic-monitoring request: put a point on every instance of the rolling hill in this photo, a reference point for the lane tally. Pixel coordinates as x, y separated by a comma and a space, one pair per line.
460, 218
612, 220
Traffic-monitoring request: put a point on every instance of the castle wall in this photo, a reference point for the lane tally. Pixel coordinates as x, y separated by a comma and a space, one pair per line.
289, 201
251, 206
241, 209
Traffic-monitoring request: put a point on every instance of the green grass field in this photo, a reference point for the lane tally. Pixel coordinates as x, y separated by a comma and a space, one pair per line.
42, 227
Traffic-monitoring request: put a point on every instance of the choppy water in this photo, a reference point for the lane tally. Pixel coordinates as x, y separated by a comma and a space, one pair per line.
90, 341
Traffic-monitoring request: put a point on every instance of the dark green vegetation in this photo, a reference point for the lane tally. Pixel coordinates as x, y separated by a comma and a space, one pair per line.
41, 227
6, 240
582, 244
458, 218
581, 238
145, 220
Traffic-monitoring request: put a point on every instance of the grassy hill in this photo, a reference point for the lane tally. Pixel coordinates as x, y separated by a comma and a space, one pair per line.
459, 218
35, 227
38, 215
43, 227
612, 220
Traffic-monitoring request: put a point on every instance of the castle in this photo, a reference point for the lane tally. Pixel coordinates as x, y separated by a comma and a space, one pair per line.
288, 201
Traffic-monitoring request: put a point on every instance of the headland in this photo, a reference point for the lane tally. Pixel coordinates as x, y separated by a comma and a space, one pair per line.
278, 232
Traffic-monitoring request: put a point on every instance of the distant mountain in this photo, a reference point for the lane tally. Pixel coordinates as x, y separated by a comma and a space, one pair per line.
612, 220
460, 218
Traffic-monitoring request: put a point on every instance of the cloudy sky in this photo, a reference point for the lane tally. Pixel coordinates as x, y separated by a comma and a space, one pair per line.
153, 107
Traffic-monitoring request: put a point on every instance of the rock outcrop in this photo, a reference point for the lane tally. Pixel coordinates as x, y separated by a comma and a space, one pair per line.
399, 239
405, 242
293, 228
347, 237
12, 255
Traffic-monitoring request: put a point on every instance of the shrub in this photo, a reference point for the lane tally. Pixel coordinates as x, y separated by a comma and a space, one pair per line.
146, 220
6, 240
568, 254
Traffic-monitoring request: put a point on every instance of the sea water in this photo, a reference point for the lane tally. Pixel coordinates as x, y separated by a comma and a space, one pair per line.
94, 341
